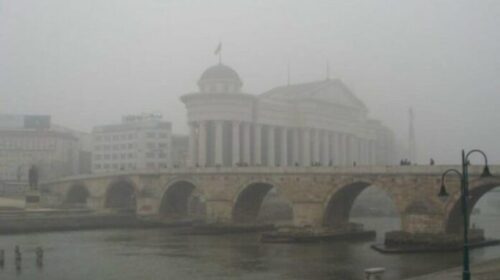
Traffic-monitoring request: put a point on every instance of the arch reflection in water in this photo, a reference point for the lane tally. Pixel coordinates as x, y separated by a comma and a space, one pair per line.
182, 200
360, 205
484, 213
121, 195
77, 196
261, 203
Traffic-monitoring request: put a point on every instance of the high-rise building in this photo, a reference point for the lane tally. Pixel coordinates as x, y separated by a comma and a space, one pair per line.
33, 139
138, 142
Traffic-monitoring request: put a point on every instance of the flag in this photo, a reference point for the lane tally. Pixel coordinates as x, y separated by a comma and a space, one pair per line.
218, 49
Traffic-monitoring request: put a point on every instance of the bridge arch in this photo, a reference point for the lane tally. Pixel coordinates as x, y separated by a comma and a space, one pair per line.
121, 194
182, 198
249, 200
77, 195
339, 203
477, 189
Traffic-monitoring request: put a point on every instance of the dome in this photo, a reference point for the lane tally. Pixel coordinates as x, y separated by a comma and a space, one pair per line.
220, 72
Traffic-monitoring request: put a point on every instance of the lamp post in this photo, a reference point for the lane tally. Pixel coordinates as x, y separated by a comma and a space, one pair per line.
464, 194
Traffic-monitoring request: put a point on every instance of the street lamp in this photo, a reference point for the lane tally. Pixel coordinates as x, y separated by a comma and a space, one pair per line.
464, 194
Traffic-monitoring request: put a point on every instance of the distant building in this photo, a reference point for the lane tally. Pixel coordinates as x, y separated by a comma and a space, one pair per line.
180, 149
33, 139
316, 123
138, 142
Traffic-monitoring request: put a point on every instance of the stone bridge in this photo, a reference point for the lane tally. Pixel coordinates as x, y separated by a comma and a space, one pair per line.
319, 196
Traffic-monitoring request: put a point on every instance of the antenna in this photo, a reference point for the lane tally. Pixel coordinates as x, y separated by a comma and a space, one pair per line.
218, 51
327, 70
288, 74
412, 145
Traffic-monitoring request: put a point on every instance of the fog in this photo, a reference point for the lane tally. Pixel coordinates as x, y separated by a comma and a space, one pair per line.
90, 62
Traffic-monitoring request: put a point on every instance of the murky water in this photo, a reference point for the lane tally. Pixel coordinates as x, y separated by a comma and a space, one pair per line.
160, 254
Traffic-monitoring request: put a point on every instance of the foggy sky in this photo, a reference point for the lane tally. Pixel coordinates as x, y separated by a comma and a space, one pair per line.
90, 62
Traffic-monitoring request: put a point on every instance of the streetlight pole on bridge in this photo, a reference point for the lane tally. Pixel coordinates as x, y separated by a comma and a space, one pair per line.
464, 194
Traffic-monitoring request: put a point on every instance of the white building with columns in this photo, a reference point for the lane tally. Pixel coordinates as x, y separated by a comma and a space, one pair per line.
316, 123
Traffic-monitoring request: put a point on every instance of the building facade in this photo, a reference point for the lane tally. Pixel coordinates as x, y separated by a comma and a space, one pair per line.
139, 142
180, 148
310, 124
28, 139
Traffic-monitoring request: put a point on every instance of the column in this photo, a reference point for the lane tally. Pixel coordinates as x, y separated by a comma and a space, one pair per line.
270, 147
325, 150
236, 143
257, 142
364, 152
316, 158
343, 145
218, 143
306, 144
373, 157
349, 150
202, 144
284, 148
192, 146
334, 152
354, 150
246, 143
295, 148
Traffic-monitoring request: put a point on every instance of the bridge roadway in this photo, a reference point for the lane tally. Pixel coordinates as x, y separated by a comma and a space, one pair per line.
319, 196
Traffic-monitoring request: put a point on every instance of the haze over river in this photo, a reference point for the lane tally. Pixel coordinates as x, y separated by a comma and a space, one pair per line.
161, 254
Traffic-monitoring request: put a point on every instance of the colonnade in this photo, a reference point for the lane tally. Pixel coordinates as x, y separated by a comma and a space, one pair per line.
254, 144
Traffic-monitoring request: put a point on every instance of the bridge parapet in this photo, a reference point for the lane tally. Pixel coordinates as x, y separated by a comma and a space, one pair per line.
474, 170
315, 193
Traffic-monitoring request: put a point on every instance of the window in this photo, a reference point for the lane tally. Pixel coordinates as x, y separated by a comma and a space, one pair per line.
97, 157
97, 166
162, 145
163, 135
150, 165
151, 135
107, 156
115, 156
151, 145
150, 155
130, 155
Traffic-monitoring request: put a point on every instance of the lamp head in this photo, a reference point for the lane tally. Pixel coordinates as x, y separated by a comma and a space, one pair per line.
486, 172
443, 194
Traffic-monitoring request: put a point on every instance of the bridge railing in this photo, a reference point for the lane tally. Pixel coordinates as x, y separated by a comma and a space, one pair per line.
474, 170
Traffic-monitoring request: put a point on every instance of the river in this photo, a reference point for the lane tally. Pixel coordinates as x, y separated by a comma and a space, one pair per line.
161, 254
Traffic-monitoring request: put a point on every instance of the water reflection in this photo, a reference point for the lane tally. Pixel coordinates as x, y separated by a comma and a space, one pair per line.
162, 254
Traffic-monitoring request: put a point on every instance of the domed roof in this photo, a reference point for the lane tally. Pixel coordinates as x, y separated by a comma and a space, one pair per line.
220, 72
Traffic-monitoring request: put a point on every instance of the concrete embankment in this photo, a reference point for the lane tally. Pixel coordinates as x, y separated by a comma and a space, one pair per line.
41, 221
488, 270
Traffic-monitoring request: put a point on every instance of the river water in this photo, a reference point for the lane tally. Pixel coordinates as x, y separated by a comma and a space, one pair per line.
161, 254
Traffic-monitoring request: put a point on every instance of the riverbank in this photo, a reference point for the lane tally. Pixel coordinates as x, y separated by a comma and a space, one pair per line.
15, 222
487, 270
